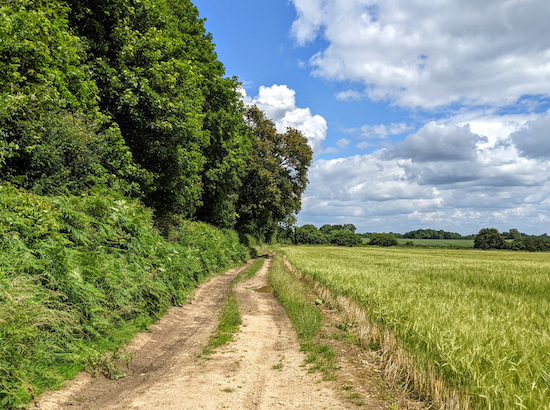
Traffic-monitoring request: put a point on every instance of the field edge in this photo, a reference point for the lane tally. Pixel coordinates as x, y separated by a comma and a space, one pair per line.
398, 366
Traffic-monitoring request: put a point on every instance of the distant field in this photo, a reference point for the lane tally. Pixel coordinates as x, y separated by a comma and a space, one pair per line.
463, 243
480, 318
466, 243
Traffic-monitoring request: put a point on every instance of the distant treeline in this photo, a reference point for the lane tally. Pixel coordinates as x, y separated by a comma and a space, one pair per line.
487, 238
424, 234
340, 235
490, 238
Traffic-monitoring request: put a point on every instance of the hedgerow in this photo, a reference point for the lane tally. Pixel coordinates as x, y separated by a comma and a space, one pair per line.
79, 275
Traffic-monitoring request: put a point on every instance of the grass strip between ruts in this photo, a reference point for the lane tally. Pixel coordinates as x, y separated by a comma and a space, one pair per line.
230, 317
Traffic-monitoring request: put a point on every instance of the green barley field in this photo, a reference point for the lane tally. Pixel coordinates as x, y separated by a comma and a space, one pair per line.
481, 319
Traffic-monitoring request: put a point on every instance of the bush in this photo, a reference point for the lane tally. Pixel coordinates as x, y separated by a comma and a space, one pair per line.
65, 153
534, 244
383, 239
309, 235
489, 238
344, 238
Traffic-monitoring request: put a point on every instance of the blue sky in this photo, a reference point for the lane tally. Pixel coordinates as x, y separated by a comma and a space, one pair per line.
420, 114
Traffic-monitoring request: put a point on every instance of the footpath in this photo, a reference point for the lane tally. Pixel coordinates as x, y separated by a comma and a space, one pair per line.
263, 368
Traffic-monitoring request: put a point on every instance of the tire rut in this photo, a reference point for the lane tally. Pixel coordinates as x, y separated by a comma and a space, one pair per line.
261, 369
167, 346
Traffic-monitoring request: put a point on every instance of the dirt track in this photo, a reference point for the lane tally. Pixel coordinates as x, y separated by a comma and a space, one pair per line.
261, 369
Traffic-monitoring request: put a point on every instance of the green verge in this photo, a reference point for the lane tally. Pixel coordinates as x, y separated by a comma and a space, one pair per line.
307, 320
251, 270
81, 275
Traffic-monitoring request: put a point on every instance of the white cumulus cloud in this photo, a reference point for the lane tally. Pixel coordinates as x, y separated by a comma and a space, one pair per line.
418, 53
442, 177
278, 102
383, 130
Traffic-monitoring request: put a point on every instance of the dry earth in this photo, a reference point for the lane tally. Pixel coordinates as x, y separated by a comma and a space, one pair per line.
262, 368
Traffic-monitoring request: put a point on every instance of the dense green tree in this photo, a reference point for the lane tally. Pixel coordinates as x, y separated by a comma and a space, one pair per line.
230, 142
325, 229
309, 235
513, 234
285, 229
383, 239
52, 136
344, 237
276, 176
489, 238
161, 81
533, 243
431, 234
151, 90
350, 227
41, 66
65, 153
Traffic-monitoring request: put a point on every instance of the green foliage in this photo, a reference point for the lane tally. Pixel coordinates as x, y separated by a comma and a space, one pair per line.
334, 234
436, 243
74, 269
305, 317
41, 66
383, 239
68, 153
327, 229
276, 176
530, 243
226, 154
307, 320
230, 321
309, 235
344, 237
431, 234
513, 234
52, 137
251, 270
285, 229
161, 82
489, 238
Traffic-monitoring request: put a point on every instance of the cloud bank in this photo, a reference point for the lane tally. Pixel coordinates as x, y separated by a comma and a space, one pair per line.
439, 177
430, 54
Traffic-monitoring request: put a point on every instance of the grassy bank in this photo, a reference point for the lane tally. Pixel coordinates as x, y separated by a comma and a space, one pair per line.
477, 319
80, 275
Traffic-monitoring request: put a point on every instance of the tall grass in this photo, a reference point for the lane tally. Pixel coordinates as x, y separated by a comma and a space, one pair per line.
79, 275
479, 320
307, 320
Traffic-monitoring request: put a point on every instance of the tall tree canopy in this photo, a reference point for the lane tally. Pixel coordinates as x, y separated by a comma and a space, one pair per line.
53, 138
276, 176
160, 80
130, 95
